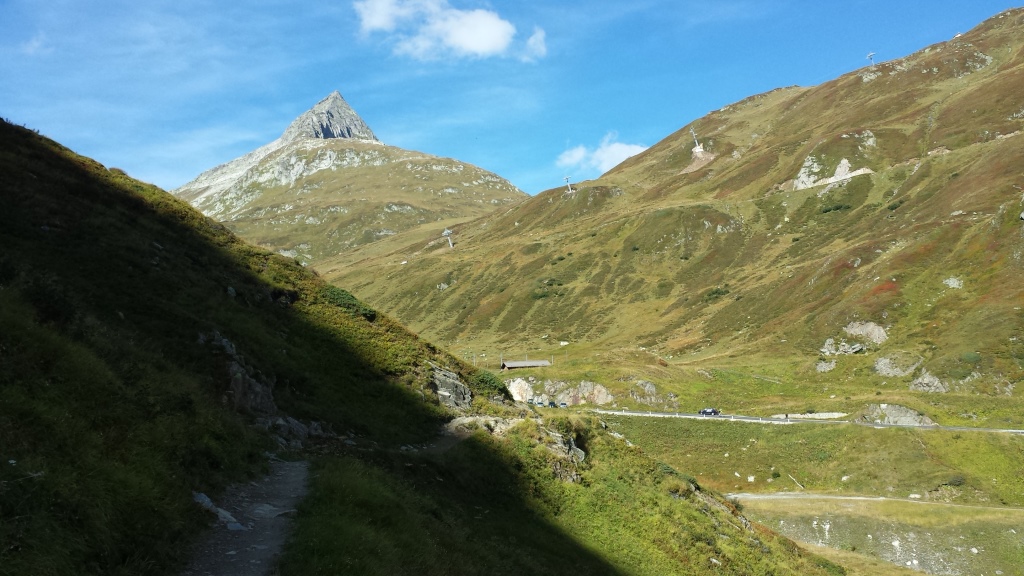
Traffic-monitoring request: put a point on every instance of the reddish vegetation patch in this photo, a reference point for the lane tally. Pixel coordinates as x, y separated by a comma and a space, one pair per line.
841, 269
885, 288
490, 308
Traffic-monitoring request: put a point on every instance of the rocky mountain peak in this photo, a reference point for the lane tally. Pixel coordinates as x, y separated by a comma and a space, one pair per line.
331, 117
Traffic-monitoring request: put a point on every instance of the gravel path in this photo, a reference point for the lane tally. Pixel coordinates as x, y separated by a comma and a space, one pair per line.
262, 512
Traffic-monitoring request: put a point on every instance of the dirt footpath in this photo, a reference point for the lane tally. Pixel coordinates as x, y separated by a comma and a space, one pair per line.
248, 539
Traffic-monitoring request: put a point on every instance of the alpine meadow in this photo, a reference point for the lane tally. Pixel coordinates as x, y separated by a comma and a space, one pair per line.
786, 339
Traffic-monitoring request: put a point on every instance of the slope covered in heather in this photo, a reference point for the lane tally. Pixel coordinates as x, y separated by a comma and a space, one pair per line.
878, 212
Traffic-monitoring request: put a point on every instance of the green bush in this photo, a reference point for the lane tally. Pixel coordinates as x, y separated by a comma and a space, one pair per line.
835, 208
716, 293
970, 357
485, 382
343, 299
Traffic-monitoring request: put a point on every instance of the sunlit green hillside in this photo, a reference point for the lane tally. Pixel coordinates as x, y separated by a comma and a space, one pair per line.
880, 210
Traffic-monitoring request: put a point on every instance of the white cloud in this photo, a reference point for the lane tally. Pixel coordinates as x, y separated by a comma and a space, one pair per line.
430, 29
382, 14
573, 157
606, 156
536, 47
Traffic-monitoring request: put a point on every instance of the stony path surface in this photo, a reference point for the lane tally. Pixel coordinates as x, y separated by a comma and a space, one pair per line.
263, 510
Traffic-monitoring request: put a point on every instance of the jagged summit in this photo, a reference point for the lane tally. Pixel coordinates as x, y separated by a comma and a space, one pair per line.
327, 184
331, 117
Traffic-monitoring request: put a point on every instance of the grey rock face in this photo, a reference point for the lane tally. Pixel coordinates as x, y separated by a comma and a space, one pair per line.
645, 392
830, 348
896, 414
450, 390
823, 366
589, 392
566, 467
332, 117
897, 364
560, 391
250, 391
928, 382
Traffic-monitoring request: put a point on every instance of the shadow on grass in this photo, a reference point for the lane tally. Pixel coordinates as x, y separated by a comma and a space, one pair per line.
468, 511
112, 410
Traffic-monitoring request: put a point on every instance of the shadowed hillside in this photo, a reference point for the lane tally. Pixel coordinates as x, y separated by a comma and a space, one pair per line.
145, 353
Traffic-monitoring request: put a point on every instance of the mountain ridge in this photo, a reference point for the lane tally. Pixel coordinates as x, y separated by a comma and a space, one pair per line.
329, 118
862, 199
328, 173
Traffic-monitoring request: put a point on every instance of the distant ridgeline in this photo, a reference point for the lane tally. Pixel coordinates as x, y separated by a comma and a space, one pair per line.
889, 196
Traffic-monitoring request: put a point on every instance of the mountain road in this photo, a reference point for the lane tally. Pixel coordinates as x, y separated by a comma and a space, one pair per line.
793, 420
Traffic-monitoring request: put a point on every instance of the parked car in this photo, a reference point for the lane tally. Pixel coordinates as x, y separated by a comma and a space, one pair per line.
551, 404
563, 405
709, 412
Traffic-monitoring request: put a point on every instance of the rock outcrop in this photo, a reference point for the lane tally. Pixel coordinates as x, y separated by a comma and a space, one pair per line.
896, 414
830, 348
928, 382
868, 330
897, 365
327, 185
586, 392
520, 389
569, 457
450, 390
331, 117
249, 391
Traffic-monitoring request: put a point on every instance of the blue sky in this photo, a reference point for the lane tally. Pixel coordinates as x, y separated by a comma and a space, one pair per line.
534, 91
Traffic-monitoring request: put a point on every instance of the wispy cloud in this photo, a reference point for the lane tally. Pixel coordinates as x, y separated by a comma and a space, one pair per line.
607, 155
35, 45
536, 45
433, 29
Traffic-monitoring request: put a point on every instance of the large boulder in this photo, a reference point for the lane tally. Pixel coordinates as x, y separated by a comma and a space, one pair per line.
450, 390
520, 389
867, 330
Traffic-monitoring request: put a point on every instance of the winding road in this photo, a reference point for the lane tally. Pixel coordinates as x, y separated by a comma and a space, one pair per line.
794, 420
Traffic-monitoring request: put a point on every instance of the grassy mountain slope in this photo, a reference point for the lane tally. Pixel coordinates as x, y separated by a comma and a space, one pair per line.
314, 198
888, 196
115, 405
